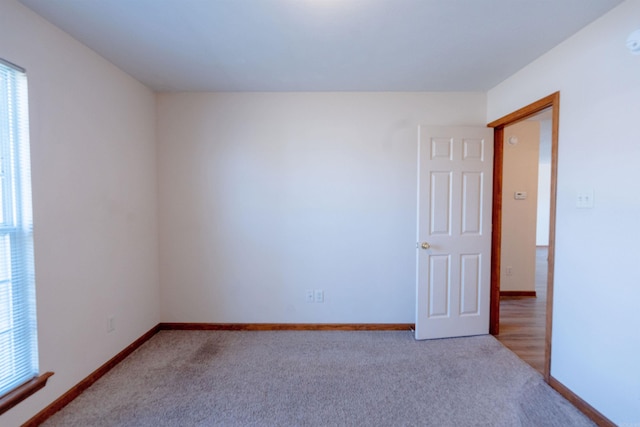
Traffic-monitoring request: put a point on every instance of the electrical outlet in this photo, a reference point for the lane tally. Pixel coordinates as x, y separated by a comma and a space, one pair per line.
509, 271
319, 295
111, 324
309, 295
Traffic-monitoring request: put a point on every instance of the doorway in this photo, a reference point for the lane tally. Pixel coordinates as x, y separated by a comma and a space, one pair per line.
550, 103
525, 235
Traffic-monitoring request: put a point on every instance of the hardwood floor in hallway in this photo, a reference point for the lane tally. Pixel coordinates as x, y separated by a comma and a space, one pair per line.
522, 319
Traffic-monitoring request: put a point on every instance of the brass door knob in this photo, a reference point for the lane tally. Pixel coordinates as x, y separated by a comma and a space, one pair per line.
425, 245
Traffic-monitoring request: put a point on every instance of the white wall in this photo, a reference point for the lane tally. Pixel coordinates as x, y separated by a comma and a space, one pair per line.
94, 198
596, 319
519, 174
544, 184
266, 195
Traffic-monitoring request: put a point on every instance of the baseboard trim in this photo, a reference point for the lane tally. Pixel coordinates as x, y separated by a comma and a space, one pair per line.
76, 390
287, 326
583, 406
518, 294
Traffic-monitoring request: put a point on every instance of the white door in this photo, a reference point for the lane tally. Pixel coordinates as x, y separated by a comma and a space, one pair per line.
455, 181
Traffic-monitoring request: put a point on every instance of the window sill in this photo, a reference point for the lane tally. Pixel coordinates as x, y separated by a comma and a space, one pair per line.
20, 393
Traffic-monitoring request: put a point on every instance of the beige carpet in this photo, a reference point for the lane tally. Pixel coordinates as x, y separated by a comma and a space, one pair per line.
292, 378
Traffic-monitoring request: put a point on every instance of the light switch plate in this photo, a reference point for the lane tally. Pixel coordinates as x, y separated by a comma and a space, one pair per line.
584, 199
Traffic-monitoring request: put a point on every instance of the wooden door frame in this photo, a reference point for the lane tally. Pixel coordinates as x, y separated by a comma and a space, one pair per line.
552, 101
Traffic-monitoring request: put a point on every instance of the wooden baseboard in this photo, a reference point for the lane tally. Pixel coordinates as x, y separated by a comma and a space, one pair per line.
287, 326
518, 294
76, 390
583, 406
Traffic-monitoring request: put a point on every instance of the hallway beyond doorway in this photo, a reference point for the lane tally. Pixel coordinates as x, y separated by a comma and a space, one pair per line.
522, 319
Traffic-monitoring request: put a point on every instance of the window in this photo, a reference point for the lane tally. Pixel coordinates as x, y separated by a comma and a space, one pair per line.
18, 341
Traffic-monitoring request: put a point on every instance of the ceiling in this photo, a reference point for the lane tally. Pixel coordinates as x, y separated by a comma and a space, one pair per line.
321, 45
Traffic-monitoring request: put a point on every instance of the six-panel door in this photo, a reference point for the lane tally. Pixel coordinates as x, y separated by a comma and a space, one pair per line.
454, 220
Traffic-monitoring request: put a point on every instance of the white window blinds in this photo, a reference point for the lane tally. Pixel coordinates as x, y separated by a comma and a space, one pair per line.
18, 341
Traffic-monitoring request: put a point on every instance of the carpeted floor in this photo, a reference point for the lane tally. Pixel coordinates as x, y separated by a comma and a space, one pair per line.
293, 378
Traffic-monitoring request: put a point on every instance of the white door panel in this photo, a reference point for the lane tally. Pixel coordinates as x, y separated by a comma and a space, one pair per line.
454, 218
